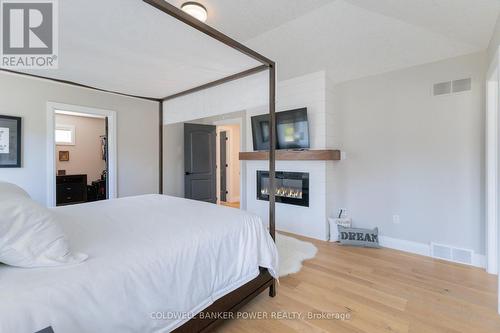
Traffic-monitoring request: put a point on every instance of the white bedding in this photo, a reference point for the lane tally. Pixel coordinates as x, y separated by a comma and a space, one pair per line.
148, 256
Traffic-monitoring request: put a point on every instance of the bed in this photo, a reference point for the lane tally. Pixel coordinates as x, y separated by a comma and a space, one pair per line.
148, 254
154, 262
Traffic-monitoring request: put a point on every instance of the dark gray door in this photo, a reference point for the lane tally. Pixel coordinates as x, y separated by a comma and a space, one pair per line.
199, 162
223, 166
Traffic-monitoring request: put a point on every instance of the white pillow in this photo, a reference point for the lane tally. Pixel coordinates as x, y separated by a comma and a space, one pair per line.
31, 237
8, 191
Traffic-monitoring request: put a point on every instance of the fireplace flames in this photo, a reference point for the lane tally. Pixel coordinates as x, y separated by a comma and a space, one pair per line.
284, 192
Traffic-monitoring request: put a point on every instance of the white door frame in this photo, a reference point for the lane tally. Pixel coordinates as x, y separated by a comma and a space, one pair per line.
52, 107
492, 168
492, 165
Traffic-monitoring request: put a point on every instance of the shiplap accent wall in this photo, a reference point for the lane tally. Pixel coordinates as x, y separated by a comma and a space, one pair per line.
304, 91
242, 94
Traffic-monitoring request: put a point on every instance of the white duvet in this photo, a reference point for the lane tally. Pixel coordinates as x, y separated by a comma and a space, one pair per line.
154, 261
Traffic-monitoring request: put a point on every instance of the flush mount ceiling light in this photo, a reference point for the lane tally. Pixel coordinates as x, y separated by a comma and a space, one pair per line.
196, 10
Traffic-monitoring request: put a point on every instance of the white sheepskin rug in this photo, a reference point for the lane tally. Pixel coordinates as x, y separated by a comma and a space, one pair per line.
292, 252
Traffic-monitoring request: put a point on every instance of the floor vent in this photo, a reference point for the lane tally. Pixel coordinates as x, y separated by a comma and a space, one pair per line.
452, 87
451, 253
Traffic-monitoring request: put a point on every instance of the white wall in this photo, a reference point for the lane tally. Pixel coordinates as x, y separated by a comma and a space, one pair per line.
334, 189
85, 157
173, 159
414, 155
249, 92
494, 42
137, 135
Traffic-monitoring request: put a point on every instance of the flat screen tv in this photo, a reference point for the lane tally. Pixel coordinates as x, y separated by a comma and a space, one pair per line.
292, 130
260, 132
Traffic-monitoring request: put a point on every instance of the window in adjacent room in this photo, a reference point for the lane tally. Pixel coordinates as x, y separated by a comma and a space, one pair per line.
65, 135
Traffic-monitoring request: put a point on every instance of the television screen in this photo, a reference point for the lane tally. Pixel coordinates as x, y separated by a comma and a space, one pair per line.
292, 129
260, 132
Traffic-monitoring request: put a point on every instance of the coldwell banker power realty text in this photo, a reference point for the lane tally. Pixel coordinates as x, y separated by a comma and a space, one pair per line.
29, 34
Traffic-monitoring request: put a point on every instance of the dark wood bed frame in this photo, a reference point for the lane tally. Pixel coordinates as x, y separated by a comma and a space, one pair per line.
230, 303
239, 297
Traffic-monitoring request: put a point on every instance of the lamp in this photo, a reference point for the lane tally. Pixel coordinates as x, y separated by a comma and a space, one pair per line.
196, 10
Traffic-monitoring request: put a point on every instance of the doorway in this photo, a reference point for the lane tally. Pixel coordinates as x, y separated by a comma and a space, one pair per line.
199, 162
228, 165
81, 154
212, 170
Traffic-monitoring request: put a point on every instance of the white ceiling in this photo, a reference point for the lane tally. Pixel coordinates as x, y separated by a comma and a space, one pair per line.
356, 38
470, 21
245, 19
131, 47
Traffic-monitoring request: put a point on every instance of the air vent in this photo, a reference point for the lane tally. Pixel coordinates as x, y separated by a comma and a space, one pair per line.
461, 85
441, 252
451, 253
449, 87
442, 88
461, 255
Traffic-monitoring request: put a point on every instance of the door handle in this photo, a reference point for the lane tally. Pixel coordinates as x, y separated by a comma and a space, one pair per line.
187, 173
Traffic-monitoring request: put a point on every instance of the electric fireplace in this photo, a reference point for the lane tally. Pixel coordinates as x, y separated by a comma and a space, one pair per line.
291, 187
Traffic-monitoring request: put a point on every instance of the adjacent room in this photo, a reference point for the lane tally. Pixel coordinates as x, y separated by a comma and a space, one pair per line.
228, 164
81, 150
250, 166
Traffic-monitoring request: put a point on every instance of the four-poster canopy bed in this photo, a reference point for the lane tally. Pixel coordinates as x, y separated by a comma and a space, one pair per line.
264, 280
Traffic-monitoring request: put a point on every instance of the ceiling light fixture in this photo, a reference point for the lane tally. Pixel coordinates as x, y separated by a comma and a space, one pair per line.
196, 10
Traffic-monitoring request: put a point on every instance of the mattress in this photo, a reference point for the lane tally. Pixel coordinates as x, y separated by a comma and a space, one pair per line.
154, 262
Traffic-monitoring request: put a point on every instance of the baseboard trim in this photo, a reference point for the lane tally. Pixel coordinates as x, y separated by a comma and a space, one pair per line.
478, 260
405, 245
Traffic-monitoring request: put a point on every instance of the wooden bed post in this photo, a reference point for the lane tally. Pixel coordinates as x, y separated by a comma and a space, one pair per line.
160, 177
272, 149
272, 160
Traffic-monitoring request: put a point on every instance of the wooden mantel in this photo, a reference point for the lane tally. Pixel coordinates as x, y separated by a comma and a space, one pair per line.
293, 155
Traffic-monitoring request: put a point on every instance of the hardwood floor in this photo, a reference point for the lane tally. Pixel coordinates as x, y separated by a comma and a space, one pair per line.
382, 290
230, 204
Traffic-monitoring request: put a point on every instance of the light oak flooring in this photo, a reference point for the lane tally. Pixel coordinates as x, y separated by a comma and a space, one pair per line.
230, 204
382, 290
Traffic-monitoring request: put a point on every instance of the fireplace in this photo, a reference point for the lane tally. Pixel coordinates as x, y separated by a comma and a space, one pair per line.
291, 187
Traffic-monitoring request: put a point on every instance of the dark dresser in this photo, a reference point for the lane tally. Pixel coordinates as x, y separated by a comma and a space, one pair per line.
71, 189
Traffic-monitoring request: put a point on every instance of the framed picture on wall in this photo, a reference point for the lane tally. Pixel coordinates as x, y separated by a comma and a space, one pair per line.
64, 156
10, 142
